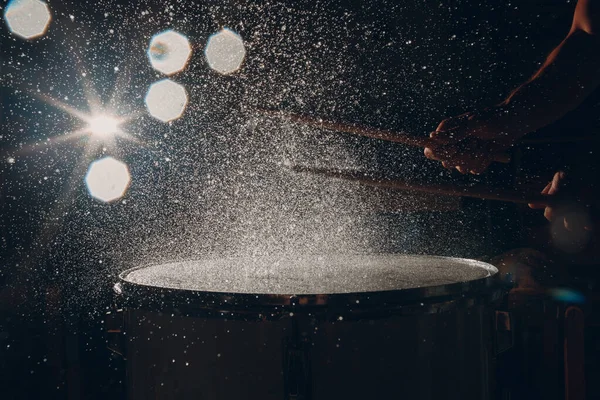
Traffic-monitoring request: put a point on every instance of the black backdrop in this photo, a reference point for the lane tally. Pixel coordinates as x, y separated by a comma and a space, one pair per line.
213, 176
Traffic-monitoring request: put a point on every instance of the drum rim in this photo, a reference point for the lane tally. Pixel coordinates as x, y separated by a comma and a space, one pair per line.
153, 296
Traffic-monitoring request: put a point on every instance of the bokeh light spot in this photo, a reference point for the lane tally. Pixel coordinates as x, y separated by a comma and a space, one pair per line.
166, 100
225, 51
27, 18
169, 52
567, 295
107, 179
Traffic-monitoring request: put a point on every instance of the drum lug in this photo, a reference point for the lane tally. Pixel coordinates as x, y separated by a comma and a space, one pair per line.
505, 335
296, 369
115, 336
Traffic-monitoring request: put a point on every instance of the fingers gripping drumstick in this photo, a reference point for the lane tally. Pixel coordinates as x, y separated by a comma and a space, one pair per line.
367, 131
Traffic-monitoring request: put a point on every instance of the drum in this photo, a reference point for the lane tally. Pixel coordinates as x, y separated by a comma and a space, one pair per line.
331, 327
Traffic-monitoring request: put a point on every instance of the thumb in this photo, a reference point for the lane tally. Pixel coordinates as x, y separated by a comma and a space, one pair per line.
558, 183
545, 191
453, 129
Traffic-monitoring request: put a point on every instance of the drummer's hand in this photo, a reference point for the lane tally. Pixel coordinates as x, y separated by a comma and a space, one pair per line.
566, 204
469, 141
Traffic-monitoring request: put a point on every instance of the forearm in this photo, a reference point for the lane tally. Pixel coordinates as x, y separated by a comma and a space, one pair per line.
571, 72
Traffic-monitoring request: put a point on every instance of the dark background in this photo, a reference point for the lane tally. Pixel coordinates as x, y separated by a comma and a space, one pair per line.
213, 182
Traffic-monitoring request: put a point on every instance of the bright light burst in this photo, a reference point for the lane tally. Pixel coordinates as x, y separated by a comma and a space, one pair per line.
103, 125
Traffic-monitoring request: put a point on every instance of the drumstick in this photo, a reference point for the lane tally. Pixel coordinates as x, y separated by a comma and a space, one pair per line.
367, 131
479, 192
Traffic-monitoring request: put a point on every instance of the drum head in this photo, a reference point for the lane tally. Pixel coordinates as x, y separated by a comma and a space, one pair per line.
282, 280
318, 275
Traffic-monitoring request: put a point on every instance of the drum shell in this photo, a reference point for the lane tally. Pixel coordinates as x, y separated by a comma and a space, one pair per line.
418, 355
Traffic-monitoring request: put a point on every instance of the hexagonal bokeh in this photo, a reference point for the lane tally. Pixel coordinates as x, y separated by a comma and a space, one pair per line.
169, 52
107, 179
225, 51
27, 18
166, 100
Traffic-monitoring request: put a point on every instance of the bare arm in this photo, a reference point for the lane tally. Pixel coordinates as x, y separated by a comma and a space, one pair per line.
569, 74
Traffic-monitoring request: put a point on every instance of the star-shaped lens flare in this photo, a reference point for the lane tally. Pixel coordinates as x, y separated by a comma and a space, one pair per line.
103, 125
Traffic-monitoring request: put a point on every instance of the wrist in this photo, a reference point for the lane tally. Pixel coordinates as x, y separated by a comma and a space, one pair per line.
499, 122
